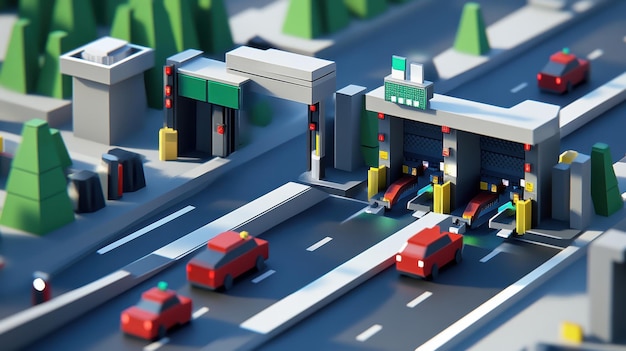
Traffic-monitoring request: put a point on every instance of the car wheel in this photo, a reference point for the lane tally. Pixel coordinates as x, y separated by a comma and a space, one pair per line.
434, 272
161, 333
569, 87
260, 263
228, 282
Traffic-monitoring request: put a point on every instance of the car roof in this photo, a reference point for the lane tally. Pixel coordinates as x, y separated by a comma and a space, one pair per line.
158, 295
426, 236
561, 57
226, 241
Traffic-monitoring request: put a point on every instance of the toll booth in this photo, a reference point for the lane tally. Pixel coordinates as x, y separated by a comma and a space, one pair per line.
469, 146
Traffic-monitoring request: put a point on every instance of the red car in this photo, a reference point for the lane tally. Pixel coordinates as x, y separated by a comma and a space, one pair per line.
229, 255
562, 72
427, 251
158, 311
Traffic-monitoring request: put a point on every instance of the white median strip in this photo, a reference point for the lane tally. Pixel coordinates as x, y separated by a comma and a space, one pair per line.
155, 345
263, 276
369, 332
200, 312
416, 301
491, 255
338, 281
145, 230
318, 244
595, 54
519, 87
592, 105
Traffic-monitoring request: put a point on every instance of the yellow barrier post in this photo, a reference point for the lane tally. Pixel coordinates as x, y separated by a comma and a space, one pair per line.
168, 144
523, 216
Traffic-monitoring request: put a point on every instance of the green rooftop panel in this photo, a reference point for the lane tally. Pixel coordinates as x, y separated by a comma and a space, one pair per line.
398, 62
192, 87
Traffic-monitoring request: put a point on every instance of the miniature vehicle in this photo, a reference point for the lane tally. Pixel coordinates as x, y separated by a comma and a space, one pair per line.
158, 311
229, 255
480, 203
562, 72
427, 251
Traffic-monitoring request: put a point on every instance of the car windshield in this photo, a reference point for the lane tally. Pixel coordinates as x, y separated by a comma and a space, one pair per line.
554, 69
149, 305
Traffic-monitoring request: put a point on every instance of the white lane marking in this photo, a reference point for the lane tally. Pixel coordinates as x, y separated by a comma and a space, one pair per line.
356, 214
519, 87
318, 244
595, 54
419, 299
145, 230
155, 345
263, 276
200, 312
491, 255
369, 332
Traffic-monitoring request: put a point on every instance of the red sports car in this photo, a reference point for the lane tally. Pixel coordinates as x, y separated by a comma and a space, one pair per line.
158, 310
562, 72
229, 255
427, 251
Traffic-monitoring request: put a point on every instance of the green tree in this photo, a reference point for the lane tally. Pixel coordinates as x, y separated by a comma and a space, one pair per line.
75, 17
37, 200
51, 82
38, 12
312, 18
303, 19
471, 36
183, 28
105, 10
366, 8
604, 186
21, 64
212, 26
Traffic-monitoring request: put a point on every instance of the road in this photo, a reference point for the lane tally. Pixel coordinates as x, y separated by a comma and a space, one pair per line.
601, 38
292, 264
418, 36
409, 310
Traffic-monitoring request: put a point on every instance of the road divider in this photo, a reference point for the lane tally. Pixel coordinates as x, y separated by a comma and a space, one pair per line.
145, 230
592, 105
345, 277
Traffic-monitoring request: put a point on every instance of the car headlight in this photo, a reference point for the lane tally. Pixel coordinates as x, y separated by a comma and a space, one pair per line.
420, 263
398, 258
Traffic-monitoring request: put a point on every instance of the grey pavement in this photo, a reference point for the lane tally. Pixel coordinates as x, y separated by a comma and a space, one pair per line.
166, 183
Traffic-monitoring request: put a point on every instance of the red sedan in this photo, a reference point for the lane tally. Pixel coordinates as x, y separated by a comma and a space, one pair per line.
229, 255
427, 251
158, 311
562, 72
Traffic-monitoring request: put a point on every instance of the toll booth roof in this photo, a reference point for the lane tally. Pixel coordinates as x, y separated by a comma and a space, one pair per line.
206, 68
278, 62
528, 122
